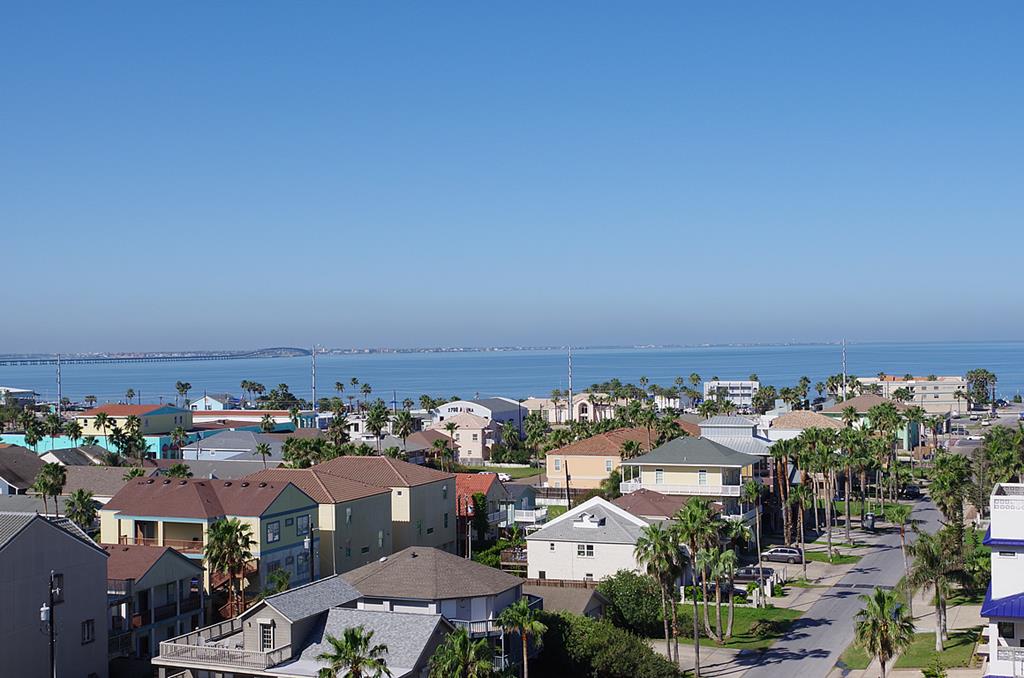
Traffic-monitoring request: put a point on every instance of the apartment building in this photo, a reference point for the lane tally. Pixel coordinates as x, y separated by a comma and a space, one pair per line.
1004, 601
934, 394
740, 393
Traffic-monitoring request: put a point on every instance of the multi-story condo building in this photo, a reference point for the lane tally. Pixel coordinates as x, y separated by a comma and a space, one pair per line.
1004, 602
585, 407
740, 393
935, 395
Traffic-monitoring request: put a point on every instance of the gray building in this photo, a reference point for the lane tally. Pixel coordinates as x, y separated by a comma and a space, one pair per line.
31, 546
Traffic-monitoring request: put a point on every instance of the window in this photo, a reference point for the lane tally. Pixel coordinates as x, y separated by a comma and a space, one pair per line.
608, 465
348, 515
558, 464
88, 631
702, 477
430, 530
551, 546
302, 563
444, 492
58, 588
266, 637
585, 550
541, 574
446, 520
365, 549
1007, 554
289, 521
302, 525
273, 531
289, 561
659, 476
476, 437
380, 533
348, 551
589, 576
1006, 630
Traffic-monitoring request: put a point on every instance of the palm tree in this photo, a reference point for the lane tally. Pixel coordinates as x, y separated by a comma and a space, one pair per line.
459, 656
630, 449
133, 472
183, 387
73, 430
402, 425
339, 386
442, 451
90, 400
228, 549
129, 395
657, 553
278, 581
102, 421
751, 493
782, 451
694, 526
899, 515
354, 656
49, 482
267, 424
451, 427
179, 438
262, 451
377, 421
523, 619
179, 470
800, 496
931, 569
510, 435
883, 628
365, 390
81, 509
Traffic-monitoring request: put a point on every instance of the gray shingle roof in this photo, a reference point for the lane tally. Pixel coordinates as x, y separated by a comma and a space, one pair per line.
311, 599
693, 451
612, 527
233, 443
499, 405
724, 420
13, 523
19, 466
423, 573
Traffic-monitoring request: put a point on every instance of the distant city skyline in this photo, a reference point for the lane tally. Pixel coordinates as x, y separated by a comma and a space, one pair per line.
196, 176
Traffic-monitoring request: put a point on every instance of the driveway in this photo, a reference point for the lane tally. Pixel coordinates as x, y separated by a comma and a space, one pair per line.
816, 640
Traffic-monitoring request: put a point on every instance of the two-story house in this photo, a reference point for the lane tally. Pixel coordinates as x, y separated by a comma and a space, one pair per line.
498, 410
693, 467
473, 436
178, 513
355, 518
155, 593
500, 509
422, 498
1004, 601
589, 461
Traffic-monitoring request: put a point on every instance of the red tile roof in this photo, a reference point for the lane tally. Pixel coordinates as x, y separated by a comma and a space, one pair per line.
468, 484
117, 410
382, 471
323, 488
606, 444
133, 562
207, 499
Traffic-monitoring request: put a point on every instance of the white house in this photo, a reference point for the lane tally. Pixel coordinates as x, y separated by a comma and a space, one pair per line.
498, 410
1004, 602
587, 543
215, 402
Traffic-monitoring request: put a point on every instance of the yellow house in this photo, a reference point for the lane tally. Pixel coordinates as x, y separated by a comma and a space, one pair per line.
178, 513
693, 467
355, 518
589, 461
153, 419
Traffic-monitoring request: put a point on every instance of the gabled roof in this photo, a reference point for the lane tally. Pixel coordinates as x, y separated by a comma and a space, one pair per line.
102, 481
727, 420
135, 560
605, 444
423, 440
310, 599
11, 525
498, 404
468, 484
574, 599
203, 499
382, 471
465, 420
595, 521
687, 451
83, 455
862, 404
323, 488
218, 469
650, 504
424, 573
799, 420
745, 444
19, 466
119, 410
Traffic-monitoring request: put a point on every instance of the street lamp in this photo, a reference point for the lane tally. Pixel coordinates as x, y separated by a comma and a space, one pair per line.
307, 543
48, 617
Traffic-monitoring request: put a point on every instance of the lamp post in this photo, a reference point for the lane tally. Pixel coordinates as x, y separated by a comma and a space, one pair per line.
307, 544
48, 617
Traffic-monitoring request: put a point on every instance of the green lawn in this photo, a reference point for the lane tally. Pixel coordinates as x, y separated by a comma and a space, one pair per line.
515, 473
822, 557
854, 657
964, 597
745, 634
957, 652
555, 510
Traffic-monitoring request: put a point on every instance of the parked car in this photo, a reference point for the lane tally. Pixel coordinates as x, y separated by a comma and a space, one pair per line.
912, 492
504, 477
745, 575
782, 554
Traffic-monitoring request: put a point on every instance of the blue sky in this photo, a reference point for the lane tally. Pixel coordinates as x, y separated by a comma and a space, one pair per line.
246, 174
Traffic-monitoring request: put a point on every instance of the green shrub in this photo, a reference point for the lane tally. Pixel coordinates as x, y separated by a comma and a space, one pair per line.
634, 603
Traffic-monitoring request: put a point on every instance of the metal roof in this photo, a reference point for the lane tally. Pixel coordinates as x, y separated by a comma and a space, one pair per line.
1010, 607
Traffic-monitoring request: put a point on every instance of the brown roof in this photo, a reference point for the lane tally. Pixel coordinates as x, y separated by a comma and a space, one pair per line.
574, 599
19, 466
323, 488
175, 498
133, 562
650, 504
863, 403
382, 471
116, 410
798, 420
468, 484
605, 444
102, 481
692, 428
425, 573
424, 439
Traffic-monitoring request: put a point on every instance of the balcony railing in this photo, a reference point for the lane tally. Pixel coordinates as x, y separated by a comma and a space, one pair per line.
537, 515
119, 588
690, 490
515, 556
202, 647
191, 603
1010, 654
119, 644
165, 612
183, 545
482, 627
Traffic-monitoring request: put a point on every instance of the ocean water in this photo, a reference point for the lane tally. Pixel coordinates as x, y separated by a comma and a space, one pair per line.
523, 373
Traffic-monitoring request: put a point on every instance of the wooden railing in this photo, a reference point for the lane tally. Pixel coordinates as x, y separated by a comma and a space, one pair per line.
184, 545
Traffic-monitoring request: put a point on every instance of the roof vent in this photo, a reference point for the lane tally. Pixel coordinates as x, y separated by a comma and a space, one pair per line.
382, 559
262, 484
183, 482
413, 555
227, 483
167, 481
245, 484
149, 481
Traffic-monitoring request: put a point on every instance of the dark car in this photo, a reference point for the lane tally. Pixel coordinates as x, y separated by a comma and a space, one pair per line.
912, 492
782, 554
745, 575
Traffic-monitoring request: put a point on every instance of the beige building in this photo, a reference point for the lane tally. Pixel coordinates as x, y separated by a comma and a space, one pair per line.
355, 518
935, 395
153, 419
590, 461
473, 437
585, 407
422, 498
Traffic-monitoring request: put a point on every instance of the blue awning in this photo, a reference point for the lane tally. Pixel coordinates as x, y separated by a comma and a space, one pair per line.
1010, 607
989, 541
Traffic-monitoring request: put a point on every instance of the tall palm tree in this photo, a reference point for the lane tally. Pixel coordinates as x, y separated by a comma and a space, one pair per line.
899, 515
630, 449
459, 656
442, 451
129, 395
751, 493
365, 390
354, 656
81, 509
451, 427
931, 569
179, 439
883, 628
520, 618
402, 425
228, 549
656, 552
800, 496
102, 422
267, 424
183, 387
694, 526
782, 452
262, 451
377, 419
73, 430
49, 482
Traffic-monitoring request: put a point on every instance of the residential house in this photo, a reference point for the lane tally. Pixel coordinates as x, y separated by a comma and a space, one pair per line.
216, 469
524, 498
422, 498
585, 407
473, 436
155, 593
498, 503
650, 505
18, 469
215, 402
738, 392
590, 461
178, 513
82, 455
21, 397
498, 410
791, 424
235, 444
693, 467
103, 481
737, 433
1004, 602
908, 434
153, 419
935, 395
33, 503
568, 596
34, 549
283, 634
586, 543
282, 418
355, 518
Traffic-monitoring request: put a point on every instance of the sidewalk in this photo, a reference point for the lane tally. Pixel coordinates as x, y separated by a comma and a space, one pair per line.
714, 661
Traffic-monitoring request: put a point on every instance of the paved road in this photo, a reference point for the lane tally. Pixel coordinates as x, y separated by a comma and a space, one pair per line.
814, 644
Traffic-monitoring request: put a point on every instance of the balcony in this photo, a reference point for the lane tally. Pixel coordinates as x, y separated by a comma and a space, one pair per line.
487, 627
190, 604
532, 516
181, 545
1010, 654
689, 490
163, 612
119, 644
218, 647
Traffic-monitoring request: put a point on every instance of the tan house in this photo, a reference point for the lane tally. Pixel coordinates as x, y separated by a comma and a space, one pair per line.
473, 436
589, 461
153, 419
422, 498
585, 407
355, 518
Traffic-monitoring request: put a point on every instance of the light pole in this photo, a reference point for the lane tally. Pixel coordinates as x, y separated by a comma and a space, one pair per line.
307, 544
48, 617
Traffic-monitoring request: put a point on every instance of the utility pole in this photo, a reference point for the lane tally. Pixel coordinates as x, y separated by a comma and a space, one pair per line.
570, 388
844, 369
48, 617
470, 510
60, 394
314, 383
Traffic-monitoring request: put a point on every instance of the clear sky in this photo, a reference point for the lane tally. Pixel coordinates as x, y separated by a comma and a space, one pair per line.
207, 175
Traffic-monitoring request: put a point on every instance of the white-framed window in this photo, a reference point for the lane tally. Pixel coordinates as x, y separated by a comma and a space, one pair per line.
476, 437
88, 631
558, 464
608, 465
380, 533
266, 637
302, 525
585, 550
659, 476
702, 477
551, 546
273, 531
